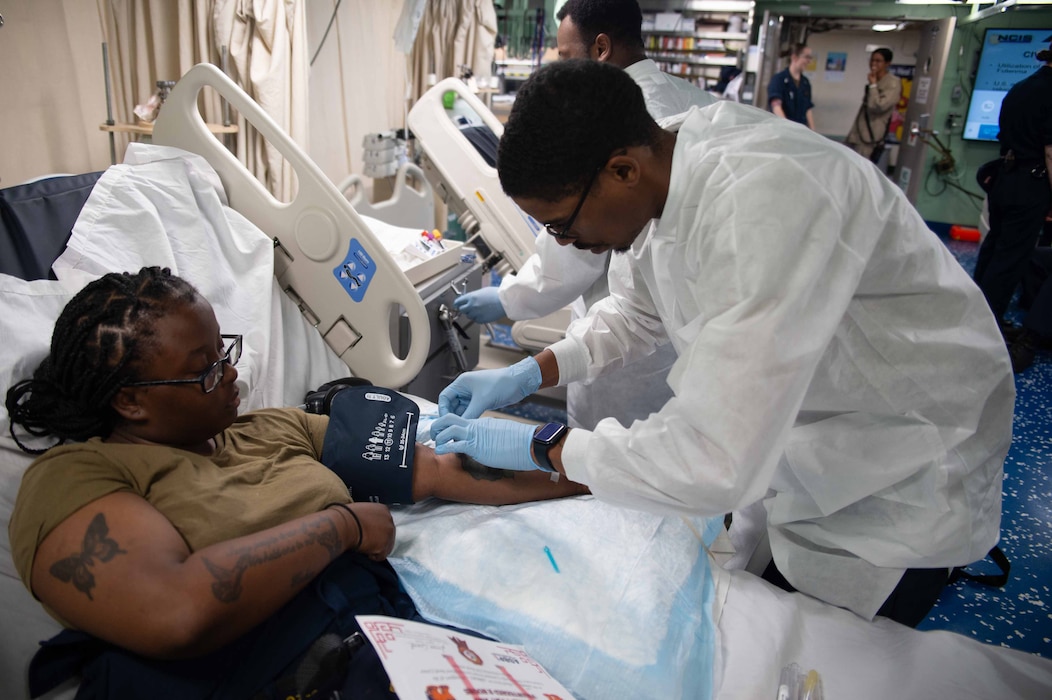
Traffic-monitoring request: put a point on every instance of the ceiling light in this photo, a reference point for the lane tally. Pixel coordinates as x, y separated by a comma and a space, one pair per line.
885, 27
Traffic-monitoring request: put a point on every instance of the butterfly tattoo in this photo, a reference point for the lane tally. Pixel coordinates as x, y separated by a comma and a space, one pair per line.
97, 545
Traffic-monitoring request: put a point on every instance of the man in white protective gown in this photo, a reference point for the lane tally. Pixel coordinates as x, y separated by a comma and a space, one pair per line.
555, 277
834, 359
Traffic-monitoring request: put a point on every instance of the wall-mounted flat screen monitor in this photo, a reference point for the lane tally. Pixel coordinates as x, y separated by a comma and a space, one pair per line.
1006, 57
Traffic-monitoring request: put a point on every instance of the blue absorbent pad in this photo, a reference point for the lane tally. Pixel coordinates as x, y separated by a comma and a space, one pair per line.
614, 603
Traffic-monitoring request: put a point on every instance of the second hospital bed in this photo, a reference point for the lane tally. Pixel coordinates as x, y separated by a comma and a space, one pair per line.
629, 605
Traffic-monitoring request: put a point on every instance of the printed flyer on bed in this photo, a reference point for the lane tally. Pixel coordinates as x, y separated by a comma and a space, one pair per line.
435, 663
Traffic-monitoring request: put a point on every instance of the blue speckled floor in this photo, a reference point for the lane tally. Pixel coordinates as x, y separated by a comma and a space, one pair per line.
1019, 615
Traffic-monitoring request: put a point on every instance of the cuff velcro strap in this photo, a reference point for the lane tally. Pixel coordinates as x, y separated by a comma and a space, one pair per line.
370, 443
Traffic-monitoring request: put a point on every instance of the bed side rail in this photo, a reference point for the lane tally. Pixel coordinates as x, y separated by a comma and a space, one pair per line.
326, 258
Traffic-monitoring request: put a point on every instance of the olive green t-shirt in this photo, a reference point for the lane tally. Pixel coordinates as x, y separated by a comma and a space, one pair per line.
264, 472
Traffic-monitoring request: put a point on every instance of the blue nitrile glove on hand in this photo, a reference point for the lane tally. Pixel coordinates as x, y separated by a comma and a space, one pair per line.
481, 306
495, 442
474, 392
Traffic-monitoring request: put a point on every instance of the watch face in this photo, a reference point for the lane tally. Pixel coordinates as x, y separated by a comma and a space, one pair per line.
549, 432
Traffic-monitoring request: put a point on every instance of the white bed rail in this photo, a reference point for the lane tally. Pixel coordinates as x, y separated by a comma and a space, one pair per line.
326, 258
411, 204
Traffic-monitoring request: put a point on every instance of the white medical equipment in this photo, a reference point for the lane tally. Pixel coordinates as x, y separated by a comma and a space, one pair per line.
758, 629
466, 182
471, 189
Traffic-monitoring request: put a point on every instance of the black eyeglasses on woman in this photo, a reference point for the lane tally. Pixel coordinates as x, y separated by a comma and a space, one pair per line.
210, 378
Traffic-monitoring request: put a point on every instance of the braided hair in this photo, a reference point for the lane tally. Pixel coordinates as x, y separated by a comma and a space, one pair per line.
99, 341
567, 120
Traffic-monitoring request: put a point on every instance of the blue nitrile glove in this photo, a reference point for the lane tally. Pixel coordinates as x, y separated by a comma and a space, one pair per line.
495, 442
474, 392
481, 306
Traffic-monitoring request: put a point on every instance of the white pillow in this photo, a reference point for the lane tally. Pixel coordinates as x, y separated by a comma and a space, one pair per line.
28, 311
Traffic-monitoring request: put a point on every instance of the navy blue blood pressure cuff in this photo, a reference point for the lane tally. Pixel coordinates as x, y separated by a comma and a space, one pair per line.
370, 443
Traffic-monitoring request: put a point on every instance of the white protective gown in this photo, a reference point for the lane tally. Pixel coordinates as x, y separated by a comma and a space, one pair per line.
834, 359
557, 276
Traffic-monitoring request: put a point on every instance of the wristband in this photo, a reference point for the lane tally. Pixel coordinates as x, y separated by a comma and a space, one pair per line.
361, 532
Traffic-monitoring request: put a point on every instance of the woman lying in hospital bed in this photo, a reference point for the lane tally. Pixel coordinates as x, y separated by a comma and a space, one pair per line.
173, 505
614, 603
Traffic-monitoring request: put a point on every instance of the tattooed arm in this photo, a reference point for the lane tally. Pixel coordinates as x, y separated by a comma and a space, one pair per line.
455, 477
117, 569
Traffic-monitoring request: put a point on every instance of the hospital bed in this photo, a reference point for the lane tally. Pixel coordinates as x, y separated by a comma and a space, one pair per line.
614, 603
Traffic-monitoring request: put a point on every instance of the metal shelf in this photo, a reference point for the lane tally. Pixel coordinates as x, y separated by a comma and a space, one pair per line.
706, 35
711, 61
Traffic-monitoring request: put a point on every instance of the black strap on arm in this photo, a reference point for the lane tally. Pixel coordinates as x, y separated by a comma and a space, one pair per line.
996, 580
869, 126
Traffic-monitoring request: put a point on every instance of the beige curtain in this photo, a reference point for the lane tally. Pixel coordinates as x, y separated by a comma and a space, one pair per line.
151, 40
267, 40
357, 80
53, 96
452, 34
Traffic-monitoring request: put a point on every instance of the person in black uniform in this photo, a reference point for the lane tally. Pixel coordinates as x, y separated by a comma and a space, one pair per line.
1019, 202
789, 92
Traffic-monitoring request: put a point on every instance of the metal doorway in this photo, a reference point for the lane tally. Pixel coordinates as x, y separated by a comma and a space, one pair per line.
918, 134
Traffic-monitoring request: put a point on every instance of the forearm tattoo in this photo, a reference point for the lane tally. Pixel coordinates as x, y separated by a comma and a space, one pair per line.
480, 472
97, 545
227, 587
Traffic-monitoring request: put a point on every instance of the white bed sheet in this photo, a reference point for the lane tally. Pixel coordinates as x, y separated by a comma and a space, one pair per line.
761, 628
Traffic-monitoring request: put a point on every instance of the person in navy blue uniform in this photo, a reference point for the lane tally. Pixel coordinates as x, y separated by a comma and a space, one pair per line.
1019, 202
789, 92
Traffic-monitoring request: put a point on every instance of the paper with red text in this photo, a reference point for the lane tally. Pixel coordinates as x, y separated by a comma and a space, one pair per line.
426, 662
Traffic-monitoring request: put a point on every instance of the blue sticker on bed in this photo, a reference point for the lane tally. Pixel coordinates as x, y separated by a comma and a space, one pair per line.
356, 271
612, 602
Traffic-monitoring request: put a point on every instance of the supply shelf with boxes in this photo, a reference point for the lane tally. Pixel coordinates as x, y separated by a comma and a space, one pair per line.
697, 39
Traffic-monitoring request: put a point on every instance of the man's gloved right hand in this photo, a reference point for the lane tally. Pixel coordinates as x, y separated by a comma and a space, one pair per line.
495, 442
474, 392
481, 306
